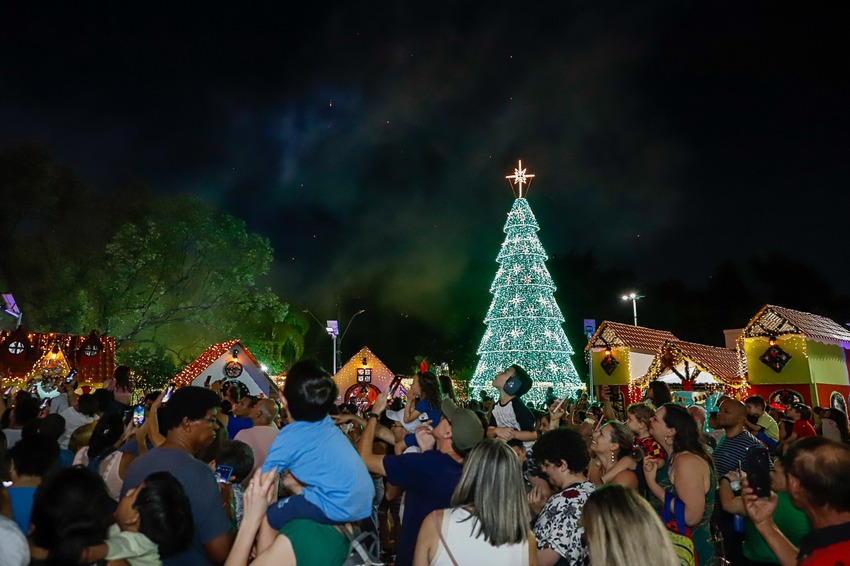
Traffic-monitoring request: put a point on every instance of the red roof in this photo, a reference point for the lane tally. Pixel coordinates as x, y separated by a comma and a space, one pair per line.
728, 366
637, 338
774, 320
722, 363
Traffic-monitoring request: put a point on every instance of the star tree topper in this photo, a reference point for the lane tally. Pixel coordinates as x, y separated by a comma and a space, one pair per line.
519, 178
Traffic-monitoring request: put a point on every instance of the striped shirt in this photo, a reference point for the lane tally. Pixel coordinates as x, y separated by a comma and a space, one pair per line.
732, 452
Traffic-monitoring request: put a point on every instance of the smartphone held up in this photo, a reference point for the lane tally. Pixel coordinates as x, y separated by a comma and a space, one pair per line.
223, 473
139, 415
758, 470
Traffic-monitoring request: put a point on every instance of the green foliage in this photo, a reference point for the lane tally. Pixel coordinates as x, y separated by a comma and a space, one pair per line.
152, 364
183, 264
165, 276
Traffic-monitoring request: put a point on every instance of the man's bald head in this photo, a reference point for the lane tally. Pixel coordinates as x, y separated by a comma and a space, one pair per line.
731, 413
265, 411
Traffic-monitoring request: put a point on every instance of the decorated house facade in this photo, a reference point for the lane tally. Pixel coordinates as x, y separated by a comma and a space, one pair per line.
795, 355
620, 354
34, 356
362, 378
231, 362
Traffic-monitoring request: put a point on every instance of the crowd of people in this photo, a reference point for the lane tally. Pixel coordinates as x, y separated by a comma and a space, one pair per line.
205, 475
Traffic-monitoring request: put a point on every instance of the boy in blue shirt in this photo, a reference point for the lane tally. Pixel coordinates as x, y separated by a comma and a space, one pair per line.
338, 488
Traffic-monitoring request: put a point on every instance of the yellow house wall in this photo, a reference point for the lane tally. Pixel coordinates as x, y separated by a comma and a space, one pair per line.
827, 363
620, 376
795, 371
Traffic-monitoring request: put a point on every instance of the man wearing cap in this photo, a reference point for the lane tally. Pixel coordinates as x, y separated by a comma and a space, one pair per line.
430, 477
510, 417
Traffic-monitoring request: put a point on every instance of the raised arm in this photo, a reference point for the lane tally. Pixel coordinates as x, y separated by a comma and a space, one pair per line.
374, 462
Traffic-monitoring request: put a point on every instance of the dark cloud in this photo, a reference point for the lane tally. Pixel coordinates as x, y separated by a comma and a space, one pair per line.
370, 142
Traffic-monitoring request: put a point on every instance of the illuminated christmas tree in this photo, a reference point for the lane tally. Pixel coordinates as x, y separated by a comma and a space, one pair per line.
524, 322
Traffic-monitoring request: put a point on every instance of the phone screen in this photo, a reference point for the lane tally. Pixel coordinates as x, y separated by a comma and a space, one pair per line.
139, 415
71, 376
223, 473
394, 386
8, 391
758, 470
168, 391
44, 404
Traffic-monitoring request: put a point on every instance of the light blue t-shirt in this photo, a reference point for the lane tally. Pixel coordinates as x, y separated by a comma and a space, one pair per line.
319, 455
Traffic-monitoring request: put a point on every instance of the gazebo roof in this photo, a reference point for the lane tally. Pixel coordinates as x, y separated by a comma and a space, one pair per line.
774, 321
727, 366
637, 338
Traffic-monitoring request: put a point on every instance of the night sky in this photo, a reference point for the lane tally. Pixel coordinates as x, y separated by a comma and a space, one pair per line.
370, 140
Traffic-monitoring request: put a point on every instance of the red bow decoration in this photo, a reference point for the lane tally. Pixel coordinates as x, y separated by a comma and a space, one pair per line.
423, 367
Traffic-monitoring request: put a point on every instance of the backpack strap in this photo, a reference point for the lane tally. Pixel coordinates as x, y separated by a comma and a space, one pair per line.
442, 538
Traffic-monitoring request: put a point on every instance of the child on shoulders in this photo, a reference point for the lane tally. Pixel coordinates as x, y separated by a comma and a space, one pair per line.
316, 453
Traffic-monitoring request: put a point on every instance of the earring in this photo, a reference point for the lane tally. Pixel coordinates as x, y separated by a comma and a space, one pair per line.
668, 440
612, 457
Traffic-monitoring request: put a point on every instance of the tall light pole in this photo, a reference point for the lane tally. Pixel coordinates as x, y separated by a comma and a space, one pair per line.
332, 328
633, 297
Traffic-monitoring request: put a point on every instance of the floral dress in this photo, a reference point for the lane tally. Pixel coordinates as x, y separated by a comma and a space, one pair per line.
559, 524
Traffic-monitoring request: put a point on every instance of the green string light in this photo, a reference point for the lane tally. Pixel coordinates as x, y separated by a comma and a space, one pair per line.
524, 322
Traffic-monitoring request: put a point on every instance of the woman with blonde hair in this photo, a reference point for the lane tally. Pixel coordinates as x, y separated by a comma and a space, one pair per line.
488, 522
622, 528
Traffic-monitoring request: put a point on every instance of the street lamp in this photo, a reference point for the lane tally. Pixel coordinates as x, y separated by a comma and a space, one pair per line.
633, 297
332, 328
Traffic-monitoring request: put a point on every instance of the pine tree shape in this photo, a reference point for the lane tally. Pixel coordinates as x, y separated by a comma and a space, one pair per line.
524, 322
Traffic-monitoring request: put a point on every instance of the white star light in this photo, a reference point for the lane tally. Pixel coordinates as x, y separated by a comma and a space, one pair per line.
520, 178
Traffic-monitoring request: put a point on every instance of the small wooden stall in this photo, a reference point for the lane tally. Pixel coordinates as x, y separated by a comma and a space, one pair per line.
796, 355
621, 353
232, 362
362, 378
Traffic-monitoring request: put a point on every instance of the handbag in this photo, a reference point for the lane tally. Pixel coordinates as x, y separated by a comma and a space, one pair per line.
680, 534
